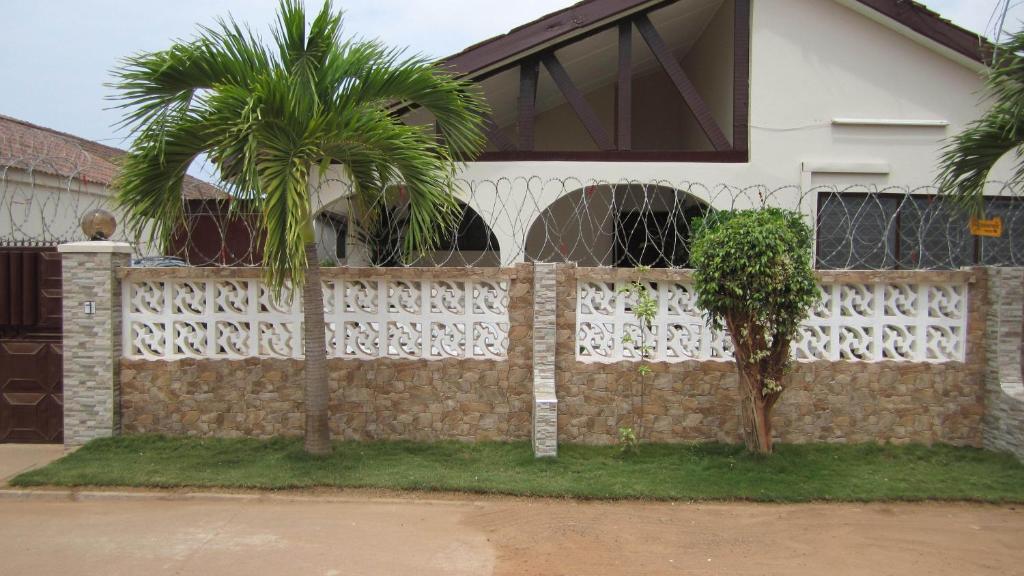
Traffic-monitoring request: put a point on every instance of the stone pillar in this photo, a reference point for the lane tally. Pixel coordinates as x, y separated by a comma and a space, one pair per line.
1003, 427
545, 403
92, 338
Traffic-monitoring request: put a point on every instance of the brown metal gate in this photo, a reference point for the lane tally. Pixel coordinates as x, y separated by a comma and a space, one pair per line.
31, 374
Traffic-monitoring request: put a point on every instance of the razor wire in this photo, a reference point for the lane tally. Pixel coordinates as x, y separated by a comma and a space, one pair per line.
47, 184
630, 223
44, 191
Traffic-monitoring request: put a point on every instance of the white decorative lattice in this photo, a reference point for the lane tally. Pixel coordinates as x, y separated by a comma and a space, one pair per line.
365, 318
865, 322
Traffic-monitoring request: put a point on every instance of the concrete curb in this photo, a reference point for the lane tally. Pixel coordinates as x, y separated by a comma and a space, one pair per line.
71, 495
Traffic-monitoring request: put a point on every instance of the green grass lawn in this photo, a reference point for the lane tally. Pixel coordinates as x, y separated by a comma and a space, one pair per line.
796, 473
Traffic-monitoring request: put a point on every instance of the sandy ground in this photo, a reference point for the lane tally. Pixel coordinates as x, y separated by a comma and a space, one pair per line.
363, 534
654, 539
18, 458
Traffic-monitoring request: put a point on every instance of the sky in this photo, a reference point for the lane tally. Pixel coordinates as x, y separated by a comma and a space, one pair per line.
56, 55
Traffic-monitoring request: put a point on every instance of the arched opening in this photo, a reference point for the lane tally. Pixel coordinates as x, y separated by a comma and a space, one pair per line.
625, 225
374, 237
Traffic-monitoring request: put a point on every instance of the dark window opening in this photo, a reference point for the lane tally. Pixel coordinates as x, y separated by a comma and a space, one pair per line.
472, 235
658, 239
339, 224
893, 231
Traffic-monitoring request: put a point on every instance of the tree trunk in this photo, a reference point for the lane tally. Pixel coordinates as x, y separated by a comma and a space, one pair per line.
756, 416
318, 435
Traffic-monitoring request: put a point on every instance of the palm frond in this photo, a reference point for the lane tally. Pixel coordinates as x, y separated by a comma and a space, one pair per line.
266, 116
967, 160
148, 186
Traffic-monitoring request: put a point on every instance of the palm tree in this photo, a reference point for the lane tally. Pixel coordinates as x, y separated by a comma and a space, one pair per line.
270, 119
967, 160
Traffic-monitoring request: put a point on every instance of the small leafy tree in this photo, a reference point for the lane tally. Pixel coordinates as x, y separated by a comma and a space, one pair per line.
645, 308
753, 277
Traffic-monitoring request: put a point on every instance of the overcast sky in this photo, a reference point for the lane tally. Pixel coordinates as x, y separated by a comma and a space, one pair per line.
55, 55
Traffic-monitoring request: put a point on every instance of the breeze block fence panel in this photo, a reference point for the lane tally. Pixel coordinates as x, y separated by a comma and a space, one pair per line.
418, 354
886, 357
537, 352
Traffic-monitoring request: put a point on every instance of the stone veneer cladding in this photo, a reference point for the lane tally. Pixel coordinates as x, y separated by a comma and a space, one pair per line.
824, 401
478, 399
1004, 415
385, 398
92, 342
545, 402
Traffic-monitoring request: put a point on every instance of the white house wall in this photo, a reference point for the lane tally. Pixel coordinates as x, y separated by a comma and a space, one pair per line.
812, 61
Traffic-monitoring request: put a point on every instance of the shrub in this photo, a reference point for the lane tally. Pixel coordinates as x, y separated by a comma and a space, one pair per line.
754, 278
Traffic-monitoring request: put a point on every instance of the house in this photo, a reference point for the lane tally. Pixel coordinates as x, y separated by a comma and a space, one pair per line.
616, 122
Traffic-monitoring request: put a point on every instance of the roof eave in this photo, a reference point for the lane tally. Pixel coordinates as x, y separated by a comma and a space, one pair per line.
910, 20
965, 48
538, 35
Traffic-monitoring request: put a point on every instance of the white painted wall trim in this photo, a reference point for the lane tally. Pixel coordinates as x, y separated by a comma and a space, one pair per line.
894, 122
840, 167
95, 247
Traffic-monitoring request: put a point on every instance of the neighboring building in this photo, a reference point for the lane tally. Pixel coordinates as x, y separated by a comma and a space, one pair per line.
48, 179
615, 122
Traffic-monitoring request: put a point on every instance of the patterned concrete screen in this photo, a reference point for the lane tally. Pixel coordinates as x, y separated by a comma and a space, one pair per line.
366, 318
906, 321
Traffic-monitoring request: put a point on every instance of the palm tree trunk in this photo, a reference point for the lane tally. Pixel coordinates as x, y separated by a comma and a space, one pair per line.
318, 435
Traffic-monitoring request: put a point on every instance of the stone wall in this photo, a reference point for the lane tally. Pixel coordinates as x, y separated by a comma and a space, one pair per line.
1004, 388
824, 401
369, 400
92, 338
386, 398
481, 399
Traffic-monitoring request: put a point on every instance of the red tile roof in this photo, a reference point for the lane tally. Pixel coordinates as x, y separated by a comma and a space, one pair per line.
30, 147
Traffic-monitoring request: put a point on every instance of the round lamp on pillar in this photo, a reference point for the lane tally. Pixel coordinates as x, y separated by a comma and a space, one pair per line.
98, 224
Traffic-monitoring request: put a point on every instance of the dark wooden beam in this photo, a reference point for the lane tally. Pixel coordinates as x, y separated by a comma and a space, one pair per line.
578, 102
496, 136
624, 99
569, 22
567, 41
682, 83
703, 156
741, 77
528, 74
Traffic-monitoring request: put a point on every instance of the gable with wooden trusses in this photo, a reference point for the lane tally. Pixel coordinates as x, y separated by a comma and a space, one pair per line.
629, 80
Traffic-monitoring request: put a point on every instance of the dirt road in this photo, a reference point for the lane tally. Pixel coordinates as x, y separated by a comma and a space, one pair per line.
360, 534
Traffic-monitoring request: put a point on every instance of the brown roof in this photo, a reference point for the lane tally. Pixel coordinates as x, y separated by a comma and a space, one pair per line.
30, 147
587, 13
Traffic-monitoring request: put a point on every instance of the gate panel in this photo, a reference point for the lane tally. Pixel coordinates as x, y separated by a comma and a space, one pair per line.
31, 370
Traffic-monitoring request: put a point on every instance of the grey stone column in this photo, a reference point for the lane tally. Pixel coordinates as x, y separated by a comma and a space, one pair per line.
1004, 391
545, 402
92, 338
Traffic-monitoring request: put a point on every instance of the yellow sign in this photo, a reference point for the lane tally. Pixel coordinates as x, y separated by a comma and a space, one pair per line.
992, 228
